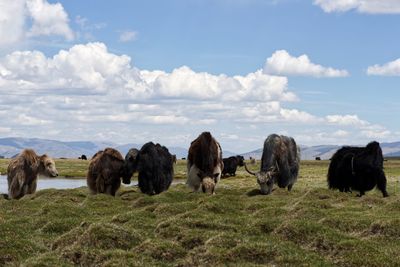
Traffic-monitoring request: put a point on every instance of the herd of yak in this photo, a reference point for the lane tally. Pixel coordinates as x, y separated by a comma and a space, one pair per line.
351, 168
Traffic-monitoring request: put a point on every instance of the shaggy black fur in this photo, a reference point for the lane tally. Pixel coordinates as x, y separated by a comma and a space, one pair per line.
357, 168
155, 167
231, 164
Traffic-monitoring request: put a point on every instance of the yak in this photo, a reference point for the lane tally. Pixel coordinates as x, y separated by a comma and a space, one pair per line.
155, 167
231, 164
204, 164
23, 171
357, 168
279, 163
106, 169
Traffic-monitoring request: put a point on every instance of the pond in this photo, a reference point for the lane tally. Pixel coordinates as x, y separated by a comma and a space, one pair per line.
45, 183
61, 183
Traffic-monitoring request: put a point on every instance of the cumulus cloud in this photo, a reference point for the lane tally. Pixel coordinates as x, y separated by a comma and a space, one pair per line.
389, 69
362, 6
20, 19
92, 68
104, 96
48, 19
12, 21
128, 36
282, 63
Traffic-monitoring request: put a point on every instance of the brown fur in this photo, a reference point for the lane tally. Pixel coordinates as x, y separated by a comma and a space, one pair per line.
23, 170
105, 171
204, 163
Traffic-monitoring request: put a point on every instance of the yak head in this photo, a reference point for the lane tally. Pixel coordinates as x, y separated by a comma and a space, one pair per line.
48, 166
208, 182
265, 179
130, 165
240, 160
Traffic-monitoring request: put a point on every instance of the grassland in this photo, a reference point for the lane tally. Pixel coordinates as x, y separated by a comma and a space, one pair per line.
310, 226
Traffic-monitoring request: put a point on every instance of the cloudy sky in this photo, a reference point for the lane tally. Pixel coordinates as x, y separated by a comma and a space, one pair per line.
322, 71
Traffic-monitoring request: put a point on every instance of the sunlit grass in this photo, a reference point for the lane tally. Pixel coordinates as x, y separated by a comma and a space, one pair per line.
310, 226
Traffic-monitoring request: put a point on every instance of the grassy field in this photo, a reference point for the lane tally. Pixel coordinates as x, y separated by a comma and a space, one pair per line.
310, 226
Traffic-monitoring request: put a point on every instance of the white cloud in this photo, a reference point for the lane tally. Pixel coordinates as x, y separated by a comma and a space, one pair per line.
20, 19
345, 120
389, 69
91, 68
12, 21
362, 6
341, 133
128, 36
282, 63
89, 93
23, 119
48, 19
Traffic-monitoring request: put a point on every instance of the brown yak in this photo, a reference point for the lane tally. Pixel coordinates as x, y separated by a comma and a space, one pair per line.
22, 172
106, 169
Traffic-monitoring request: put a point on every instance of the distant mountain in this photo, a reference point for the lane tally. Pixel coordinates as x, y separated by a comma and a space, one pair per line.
326, 151
10, 147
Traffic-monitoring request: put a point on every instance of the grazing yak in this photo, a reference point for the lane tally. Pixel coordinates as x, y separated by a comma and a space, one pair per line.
231, 164
83, 157
155, 167
204, 165
23, 170
106, 169
279, 163
357, 168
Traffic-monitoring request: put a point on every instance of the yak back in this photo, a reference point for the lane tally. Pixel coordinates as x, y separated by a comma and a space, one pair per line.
156, 163
204, 153
28, 161
281, 151
152, 156
107, 161
349, 159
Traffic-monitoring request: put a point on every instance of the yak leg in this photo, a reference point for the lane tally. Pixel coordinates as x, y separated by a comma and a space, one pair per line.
32, 187
289, 187
15, 189
381, 184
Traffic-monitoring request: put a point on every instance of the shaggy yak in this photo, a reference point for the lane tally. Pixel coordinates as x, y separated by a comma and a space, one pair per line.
105, 170
279, 163
231, 164
204, 165
22, 172
155, 167
357, 168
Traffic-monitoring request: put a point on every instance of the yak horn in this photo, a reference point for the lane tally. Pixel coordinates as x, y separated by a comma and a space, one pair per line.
252, 173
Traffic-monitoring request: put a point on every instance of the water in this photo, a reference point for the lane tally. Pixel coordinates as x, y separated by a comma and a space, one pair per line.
45, 183
62, 183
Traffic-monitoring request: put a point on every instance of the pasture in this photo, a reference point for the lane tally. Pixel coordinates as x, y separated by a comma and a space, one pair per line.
310, 226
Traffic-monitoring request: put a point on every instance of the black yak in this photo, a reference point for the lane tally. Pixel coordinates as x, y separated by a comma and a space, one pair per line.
279, 163
105, 171
204, 165
231, 164
357, 168
155, 167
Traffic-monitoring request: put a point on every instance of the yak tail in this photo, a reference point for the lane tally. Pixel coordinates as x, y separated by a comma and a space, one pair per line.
100, 186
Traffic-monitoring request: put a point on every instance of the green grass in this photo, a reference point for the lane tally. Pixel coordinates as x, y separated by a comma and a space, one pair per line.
310, 226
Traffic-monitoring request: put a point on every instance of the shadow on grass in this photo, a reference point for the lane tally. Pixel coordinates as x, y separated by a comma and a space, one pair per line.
254, 192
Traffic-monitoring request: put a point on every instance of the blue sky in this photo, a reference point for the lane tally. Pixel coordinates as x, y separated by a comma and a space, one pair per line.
322, 71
